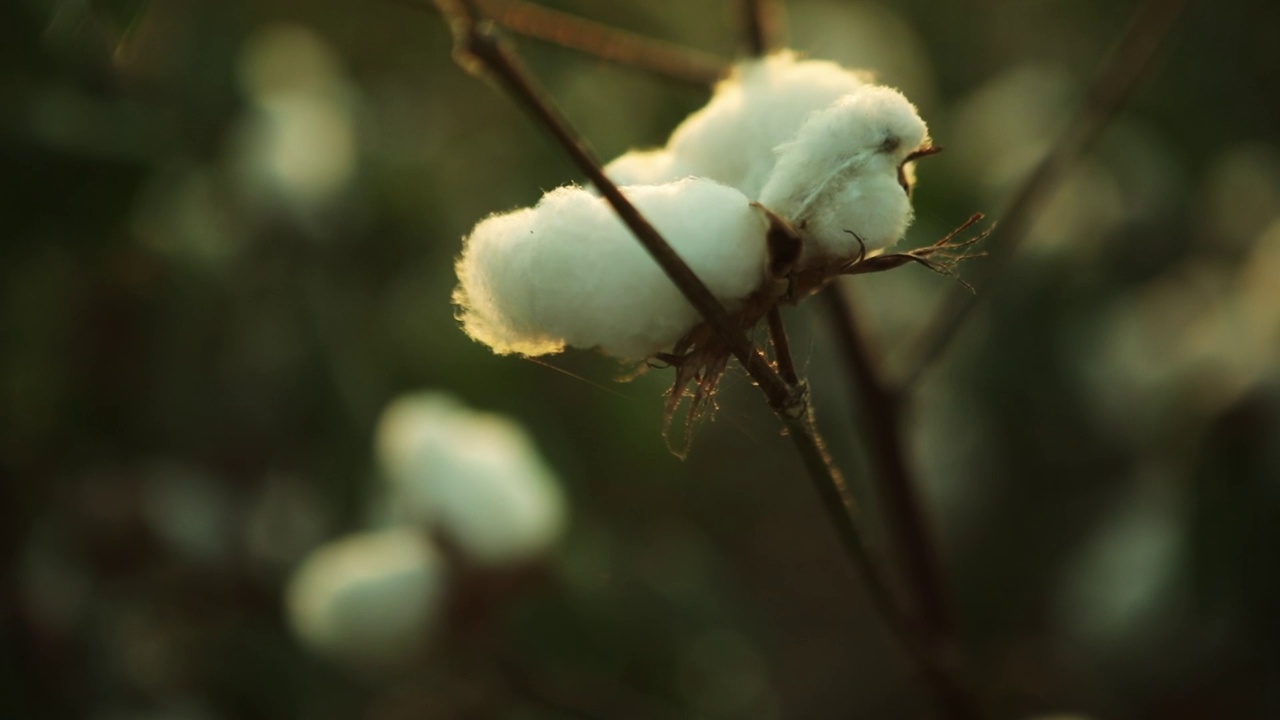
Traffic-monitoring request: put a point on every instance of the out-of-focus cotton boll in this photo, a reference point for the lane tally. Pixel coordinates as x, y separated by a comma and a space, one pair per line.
1008, 125
866, 34
476, 476
758, 107
1123, 589
191, 511
569, 272
1242, 195
298, 144
1187, 345
370, 599
839, 176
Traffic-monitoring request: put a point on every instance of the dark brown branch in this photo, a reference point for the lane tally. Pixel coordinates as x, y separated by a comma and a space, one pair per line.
760, 25
1129, 62
938, 672
600, 41
880, 409
782, 347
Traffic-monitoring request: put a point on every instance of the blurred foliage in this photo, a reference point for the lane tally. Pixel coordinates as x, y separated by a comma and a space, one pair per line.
228, 239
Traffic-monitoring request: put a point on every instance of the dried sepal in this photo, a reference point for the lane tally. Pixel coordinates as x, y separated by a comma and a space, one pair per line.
700, 359
701, 356
942, 257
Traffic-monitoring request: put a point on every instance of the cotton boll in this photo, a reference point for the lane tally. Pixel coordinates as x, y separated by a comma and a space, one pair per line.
370, 599
475, 476
569, 272
839, 177
761, 105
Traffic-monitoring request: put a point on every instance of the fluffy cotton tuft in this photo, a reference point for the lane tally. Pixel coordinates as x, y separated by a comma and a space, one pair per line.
839, 176
370, 599
476, 476
569, 272
758, 107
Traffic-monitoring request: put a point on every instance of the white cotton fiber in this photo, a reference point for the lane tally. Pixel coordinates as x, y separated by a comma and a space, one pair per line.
758, 107
474, 477
370, 599
839, 176
569, 272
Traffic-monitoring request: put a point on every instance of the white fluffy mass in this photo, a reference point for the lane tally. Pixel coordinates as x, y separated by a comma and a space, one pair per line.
839, 176
569, 272
475, 476
762, 104
369, 599
816, 143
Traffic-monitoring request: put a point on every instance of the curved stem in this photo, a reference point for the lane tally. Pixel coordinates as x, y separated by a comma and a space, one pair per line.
760, 25
627, 49
782, 347
881, 408
1120, 75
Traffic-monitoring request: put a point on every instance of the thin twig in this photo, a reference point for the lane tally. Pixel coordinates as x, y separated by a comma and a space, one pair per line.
897, 488
935, 653
1128, 63
627, 49
881, 409
760, 25
955, 700
782, 347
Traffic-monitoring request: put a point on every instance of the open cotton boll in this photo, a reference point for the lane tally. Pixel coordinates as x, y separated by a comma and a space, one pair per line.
569, 272
840, 175
370, 599
476, 476
761, 105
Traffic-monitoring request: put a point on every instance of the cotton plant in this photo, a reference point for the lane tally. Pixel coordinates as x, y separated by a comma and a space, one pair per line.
469, 500
796, 171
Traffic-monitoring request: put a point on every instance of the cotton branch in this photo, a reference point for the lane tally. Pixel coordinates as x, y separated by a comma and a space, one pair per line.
760, 20
1129, 62
600, 41
479, 50
881, 410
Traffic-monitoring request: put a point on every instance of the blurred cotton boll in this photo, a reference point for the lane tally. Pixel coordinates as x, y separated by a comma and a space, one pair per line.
297, 146
370, 599
1008, 125
1124, 591
863, 34
477, 477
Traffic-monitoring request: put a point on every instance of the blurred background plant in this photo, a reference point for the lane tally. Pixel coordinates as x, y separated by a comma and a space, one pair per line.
229, 231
